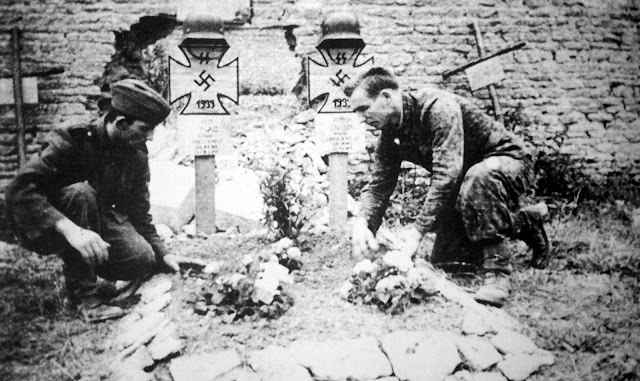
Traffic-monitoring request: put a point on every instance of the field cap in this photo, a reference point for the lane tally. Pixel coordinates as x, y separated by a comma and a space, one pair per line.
138, 100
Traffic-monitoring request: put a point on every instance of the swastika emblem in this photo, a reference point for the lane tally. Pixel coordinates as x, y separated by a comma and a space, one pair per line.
203, 80
328, 77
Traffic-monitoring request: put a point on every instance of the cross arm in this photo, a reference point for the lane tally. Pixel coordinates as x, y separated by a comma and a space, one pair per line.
508, 49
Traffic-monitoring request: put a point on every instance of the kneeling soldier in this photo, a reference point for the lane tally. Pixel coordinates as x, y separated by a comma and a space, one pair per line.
86, 197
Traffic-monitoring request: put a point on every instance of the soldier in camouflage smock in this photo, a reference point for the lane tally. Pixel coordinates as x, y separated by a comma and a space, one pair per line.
478, 170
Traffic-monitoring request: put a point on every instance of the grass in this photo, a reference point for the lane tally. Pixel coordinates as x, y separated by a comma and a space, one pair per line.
38, 335
585, 307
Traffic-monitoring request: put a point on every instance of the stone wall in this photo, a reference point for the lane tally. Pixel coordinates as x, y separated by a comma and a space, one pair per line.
579, 73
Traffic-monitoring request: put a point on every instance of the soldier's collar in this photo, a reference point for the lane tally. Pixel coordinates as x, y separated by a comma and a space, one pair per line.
100, 128
408, 105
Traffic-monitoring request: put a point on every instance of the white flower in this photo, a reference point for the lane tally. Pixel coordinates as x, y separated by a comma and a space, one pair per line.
345, 290
275, 271
415, 276
391, 283
386, 287
398, 260
282, 245
365, 266
213, 268
232, 280
265, 289
294, 253
247, 260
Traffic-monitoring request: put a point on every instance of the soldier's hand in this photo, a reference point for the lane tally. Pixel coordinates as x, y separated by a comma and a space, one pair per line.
173, 262
92, 247
410, 238
362, 239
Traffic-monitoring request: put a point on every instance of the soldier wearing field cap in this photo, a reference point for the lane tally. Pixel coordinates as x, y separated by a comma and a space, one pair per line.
85, 197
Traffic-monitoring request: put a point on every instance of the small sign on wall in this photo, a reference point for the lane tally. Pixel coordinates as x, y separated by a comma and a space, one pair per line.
485, 73
29, 91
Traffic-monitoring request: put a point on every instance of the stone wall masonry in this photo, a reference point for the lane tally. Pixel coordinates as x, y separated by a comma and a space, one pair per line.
579, 72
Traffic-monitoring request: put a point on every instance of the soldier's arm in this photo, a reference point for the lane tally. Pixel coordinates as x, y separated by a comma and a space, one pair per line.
375, 196
142, 221
140, 205
445, 120
28, 194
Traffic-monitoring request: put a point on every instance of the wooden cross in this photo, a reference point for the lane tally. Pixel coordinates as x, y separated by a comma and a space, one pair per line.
20, 90
485, 70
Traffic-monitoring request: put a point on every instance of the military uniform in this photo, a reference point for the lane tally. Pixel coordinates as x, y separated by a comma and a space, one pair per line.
81, 175
478, 172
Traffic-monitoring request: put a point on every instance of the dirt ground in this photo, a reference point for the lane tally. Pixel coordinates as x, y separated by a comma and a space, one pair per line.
584, 307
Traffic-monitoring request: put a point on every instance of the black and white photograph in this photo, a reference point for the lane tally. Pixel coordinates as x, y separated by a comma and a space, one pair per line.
320, 190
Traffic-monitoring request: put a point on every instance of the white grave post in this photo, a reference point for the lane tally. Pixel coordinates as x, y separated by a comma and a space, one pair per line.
340, 47
202, 80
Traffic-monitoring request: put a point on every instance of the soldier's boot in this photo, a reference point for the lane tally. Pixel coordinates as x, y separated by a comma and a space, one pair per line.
497, 269
533, 234
88, 298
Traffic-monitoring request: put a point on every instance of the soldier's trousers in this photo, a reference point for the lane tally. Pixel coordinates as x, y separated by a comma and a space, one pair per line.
482, 210
130, 255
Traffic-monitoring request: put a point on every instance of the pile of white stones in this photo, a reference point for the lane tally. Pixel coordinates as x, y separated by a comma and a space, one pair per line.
403, 355
145, 336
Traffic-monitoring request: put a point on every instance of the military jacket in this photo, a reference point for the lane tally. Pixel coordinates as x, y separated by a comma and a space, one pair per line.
442, 132
83, 154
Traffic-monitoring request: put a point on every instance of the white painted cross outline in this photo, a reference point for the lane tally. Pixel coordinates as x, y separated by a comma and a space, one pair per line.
328, 77
203, 81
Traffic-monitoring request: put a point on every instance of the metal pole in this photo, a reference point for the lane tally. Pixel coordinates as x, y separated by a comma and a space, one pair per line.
492, 90
17, 95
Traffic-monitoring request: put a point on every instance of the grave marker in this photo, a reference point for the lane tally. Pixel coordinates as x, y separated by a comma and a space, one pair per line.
203, 82
340, 46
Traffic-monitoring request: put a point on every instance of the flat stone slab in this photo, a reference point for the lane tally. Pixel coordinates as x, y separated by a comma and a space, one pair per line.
358, 359
276, 363
478, 352
141, 330
519, 366
418, 356
507, 341
204, 367
154, 288
155, 305
474, 324
465, 375
165, 344
128, 373
493, 376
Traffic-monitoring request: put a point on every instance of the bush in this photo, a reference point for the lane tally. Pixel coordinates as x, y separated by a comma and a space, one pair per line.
562, 176
386, 285
285, 213
259, 293
406, 201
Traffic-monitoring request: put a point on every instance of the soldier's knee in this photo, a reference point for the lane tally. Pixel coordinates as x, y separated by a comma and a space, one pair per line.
480, 181
485, 169
143, 258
